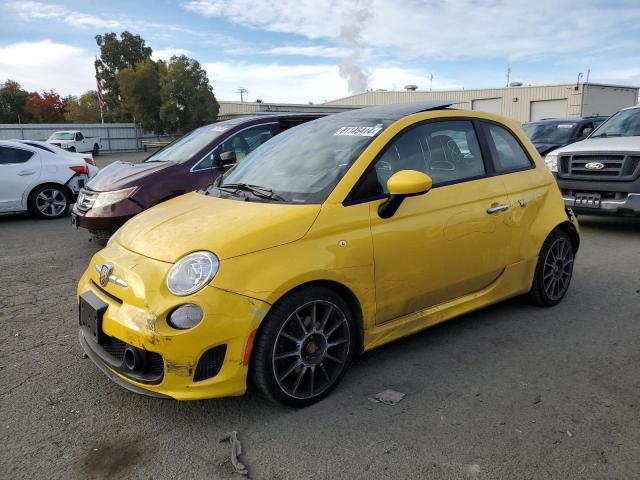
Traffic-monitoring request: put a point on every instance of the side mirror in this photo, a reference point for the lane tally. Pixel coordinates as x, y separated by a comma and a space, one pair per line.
402, 184
586, 132
224, 159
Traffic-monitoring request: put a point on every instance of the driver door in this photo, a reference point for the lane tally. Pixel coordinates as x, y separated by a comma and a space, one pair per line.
449, 242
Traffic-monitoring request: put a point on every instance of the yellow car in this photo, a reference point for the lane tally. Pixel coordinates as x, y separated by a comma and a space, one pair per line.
333, 238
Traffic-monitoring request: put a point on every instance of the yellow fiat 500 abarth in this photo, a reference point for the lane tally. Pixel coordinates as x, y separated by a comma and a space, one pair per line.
333, 238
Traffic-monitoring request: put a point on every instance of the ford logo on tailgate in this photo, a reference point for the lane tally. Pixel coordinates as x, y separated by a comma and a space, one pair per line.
594, 166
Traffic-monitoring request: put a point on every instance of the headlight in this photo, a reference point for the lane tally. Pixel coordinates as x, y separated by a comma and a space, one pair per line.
552, 161
107, 198
192, 272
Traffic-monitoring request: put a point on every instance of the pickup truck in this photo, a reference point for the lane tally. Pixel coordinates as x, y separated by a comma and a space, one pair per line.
601, 174
74, 141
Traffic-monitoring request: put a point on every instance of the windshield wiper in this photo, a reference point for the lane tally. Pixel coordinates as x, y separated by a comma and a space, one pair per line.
256, 190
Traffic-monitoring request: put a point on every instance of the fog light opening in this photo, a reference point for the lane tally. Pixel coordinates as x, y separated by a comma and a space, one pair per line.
185, 316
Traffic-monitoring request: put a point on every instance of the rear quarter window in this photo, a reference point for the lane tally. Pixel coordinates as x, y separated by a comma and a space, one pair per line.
508, 154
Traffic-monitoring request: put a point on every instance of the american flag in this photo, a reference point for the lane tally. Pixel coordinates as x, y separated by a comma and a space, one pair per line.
100, 95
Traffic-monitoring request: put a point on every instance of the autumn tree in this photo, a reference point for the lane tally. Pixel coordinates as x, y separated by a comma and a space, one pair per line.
13, 101
116, 54
84, 109
140, 92
45, 108
187, 97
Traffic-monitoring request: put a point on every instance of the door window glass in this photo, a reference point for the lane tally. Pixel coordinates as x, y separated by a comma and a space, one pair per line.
242, 143
446, 151
509, 155
10, 155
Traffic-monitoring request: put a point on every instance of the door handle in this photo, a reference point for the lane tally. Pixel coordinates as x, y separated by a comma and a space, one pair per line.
26, 172
498, 208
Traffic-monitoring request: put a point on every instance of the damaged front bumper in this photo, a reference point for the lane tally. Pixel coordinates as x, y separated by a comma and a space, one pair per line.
206, 361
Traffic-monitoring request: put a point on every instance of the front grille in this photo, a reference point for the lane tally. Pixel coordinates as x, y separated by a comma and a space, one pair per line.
86, 199
154, 366
615, 166
210, 363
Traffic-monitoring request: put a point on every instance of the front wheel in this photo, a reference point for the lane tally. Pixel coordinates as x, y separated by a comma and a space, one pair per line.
554, 270
72, 149
304, 347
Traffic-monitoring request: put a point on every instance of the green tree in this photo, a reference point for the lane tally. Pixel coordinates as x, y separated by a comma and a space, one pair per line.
116, 55
84, 109
187, 97
140, 92
13, 101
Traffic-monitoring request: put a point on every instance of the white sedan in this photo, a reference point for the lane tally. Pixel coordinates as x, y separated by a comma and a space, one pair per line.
36, 180
87, 157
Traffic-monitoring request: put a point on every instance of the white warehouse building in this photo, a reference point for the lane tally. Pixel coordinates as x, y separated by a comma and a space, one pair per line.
521, 103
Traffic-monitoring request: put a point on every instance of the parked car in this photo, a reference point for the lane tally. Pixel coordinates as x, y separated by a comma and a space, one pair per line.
601, 175
336, 237
47, 147
124, 189
35, 180
549, 134
75, 141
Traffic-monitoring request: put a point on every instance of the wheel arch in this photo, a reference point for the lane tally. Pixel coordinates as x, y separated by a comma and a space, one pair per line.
570, 229
346, 294
32, 189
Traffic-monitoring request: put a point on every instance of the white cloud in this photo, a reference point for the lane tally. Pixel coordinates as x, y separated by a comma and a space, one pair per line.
443, 29
167, 53
41, 11
46, 65
318, 51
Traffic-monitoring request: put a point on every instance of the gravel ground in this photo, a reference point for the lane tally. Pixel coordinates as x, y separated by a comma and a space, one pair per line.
510, 392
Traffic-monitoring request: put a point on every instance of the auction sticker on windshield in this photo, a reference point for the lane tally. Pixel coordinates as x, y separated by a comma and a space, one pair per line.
358, 131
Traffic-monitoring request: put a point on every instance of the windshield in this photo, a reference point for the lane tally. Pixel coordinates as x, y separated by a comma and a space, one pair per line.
303, 164
62, 136
549, 132
186, 147
625, 123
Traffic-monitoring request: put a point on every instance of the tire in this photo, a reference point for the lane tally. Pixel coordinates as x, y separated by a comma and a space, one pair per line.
297, 361
72, 149
554, 270
49, 201
96, 150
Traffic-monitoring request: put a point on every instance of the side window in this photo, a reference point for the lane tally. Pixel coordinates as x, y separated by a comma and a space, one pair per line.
241, 144
446, 151
508, 154
79, 136
14, 155
248, 140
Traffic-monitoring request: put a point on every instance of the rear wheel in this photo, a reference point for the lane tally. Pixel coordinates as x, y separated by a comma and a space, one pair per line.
49, 201
96, 150
304, 347
553, 271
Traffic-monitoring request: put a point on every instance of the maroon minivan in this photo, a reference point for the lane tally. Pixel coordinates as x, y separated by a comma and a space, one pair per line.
122, 189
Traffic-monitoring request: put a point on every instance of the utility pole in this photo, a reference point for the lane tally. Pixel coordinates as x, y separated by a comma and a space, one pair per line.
242, 91
578, 81
431, 82
508, 75
588, 72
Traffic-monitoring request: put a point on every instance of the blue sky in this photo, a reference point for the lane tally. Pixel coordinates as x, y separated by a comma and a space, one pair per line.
317, 50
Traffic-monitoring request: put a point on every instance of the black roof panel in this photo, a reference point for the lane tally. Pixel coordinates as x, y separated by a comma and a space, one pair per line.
394, 111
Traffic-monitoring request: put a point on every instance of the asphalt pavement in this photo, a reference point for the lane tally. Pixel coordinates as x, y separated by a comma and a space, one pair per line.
509, 392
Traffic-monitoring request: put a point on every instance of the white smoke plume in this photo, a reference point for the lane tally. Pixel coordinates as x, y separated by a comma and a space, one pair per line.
352, 26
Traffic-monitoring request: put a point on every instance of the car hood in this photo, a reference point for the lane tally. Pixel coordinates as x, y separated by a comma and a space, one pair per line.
606, 144
226, 227
123, 174
544, 148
